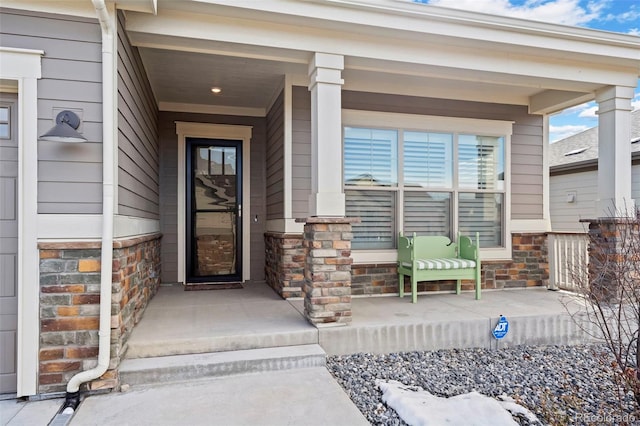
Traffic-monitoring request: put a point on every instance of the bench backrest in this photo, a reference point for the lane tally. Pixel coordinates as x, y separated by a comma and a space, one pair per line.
436, 246
426, 247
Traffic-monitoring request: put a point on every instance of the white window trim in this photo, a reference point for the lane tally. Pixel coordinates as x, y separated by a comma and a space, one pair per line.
375, 119
186, 130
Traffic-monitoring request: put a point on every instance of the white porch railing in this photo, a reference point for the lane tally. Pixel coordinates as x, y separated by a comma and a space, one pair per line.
568, 260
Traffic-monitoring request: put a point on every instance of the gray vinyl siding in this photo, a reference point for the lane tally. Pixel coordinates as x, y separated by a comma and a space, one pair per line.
635, 184
565, 217
169, 187
275, 159
526, 140
69, 177
138, 152
301, 152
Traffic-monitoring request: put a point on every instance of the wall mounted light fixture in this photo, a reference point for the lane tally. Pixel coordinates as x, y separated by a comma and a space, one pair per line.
67, 122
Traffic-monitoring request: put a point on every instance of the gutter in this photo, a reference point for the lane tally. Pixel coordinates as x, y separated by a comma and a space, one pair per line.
72, 399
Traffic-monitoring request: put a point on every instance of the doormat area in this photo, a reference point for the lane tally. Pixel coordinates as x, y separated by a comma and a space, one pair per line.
212, 286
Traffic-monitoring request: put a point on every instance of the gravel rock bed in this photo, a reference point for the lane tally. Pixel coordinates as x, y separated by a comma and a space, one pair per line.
560, 384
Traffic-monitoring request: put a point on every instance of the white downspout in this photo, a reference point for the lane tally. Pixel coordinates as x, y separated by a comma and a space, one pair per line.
108, 103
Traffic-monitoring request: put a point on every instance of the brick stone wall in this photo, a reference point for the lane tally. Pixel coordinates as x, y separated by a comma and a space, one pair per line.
284, 263
529, 267
69, 305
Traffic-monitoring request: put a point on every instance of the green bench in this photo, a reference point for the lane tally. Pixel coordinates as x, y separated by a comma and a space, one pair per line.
434, 258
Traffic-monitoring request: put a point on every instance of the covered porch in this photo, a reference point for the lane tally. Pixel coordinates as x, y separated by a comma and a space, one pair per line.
178, 322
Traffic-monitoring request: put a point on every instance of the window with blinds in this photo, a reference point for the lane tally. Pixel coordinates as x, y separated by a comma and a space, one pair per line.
448, 183
370, 157
376, 210
427, 213
481, 212
428, 159
480, 162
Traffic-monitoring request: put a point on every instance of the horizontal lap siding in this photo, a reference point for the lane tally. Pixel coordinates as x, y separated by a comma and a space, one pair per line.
565, 217
301, 152
69, 177
526, 140
635, 184
275, 160
138, 152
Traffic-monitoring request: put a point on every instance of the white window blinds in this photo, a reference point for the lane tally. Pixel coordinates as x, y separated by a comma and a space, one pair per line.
370, 157
428, 159
376, 210
427, 213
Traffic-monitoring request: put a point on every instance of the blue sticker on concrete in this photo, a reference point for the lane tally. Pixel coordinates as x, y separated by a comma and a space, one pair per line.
501, 329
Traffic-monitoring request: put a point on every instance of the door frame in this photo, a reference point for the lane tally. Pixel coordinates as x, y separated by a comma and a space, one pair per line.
186, 130
194, 144
23, 67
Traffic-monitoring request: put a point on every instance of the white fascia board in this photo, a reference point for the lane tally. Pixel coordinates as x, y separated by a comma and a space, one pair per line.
414, 49
450, 89
550, 101
146, 6
407, 17
83, 9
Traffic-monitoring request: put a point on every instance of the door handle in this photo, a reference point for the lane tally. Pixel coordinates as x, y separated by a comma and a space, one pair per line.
239, 210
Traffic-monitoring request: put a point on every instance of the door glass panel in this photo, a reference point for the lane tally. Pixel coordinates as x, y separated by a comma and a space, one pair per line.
215, 210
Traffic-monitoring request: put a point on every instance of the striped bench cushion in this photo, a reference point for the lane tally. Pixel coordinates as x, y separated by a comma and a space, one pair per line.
442, 264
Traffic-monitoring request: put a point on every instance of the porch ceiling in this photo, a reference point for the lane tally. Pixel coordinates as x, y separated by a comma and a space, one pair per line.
189, 47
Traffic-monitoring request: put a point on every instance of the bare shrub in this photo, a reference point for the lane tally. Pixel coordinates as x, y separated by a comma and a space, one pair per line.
610, 296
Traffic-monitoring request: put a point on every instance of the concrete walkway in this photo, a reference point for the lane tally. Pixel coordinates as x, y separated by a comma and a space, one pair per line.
34, 413
308, 396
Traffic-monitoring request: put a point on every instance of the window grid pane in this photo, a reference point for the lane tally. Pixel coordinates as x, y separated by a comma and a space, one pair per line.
370, 157
376, 210
481, 212
480, 162
427, 213
428, 159
5, 128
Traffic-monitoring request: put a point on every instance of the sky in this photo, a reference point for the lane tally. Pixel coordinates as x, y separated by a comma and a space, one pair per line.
621, 16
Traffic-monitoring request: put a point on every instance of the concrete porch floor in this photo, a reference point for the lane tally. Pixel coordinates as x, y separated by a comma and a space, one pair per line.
187, 322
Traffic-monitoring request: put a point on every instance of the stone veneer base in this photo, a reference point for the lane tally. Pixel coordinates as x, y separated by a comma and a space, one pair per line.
70, 305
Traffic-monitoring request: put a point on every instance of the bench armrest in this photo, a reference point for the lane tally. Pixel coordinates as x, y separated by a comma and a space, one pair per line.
405, 248
469, 250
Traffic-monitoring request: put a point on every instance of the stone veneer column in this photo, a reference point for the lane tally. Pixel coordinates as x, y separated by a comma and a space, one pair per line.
327, 271
613, 254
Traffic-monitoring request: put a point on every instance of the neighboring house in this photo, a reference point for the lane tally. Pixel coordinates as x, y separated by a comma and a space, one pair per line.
212, 126
573, 170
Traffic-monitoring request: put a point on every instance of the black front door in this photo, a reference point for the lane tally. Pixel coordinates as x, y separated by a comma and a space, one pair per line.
214, 211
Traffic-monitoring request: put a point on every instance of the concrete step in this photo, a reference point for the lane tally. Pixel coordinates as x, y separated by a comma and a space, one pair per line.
141, 371
143, 345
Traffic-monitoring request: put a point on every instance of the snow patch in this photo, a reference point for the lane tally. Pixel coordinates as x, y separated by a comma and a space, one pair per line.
418, 407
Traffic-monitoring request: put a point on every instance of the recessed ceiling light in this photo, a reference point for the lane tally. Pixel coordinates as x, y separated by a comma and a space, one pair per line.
216, 90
